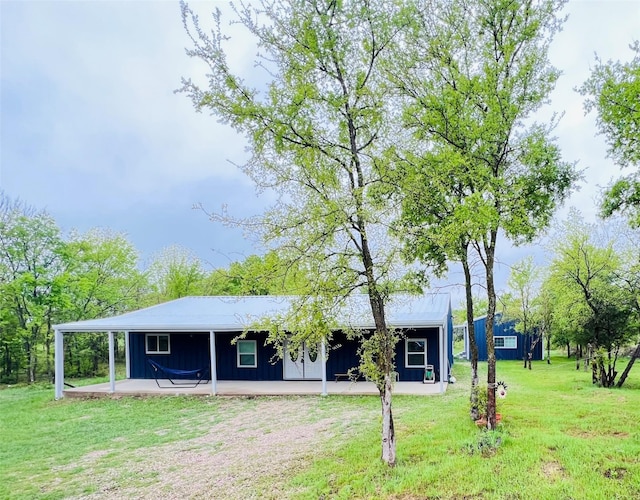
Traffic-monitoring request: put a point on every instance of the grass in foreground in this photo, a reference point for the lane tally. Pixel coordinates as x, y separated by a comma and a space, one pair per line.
561, 438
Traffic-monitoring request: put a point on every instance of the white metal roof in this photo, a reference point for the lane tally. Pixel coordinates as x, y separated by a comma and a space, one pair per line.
197, 314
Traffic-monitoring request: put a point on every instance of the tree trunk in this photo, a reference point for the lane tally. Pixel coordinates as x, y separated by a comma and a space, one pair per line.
548, 338
386, 356
627, 369
33, 361
473, 346
47, 346
388, 432
491, 352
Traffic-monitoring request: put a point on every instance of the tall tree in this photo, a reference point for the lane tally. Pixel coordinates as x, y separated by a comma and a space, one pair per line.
101, 279
258, 275
629, 279
33, 264
585, 269
104, 278
545, 317
613, 92
173, 273
316, 136
473, 73
521, 304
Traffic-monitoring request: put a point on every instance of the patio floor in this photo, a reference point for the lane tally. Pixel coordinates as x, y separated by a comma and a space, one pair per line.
146, 387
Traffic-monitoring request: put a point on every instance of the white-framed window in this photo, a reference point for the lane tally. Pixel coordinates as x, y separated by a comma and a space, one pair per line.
415, 353
247, 353
510, 342
157, 343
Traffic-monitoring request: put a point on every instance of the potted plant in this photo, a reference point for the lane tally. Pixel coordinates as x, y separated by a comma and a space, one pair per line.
481, 398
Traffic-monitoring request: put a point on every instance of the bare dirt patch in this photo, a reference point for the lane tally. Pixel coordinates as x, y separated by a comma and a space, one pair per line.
249, 454
615, 473
553, 471
590, 434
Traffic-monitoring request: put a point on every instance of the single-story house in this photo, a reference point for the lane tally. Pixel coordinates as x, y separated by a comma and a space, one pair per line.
196, 332
509, 344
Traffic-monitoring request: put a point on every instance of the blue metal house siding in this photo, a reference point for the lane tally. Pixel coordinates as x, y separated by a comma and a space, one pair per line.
342, 355
269, 367
433, 357
506, 328
189, 351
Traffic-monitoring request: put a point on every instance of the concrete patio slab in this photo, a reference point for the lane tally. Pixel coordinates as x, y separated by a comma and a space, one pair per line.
145, 387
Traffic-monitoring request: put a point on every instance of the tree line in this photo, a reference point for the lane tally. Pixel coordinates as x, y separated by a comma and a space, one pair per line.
47, 277
586, 297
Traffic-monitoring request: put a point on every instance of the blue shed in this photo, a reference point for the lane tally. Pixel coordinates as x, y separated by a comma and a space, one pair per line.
215, 334
509, 344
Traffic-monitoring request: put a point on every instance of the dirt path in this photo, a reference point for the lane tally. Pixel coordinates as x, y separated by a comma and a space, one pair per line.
248, 454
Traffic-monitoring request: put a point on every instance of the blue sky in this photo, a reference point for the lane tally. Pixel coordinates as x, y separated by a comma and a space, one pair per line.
92, 131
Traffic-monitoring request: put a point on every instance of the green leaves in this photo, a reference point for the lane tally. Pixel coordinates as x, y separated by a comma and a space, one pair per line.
587, 280
613, 91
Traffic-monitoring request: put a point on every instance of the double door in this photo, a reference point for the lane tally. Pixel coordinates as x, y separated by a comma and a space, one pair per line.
305, 363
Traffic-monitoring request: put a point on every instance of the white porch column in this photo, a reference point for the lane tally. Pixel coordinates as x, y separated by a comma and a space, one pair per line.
323, 358
443, 367
214, 373
112, 364
59, 363
127, 359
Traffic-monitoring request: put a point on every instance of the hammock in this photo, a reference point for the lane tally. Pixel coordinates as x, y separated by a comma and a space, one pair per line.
194, 376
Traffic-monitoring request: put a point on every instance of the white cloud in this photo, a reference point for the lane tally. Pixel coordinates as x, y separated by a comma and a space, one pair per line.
91, 127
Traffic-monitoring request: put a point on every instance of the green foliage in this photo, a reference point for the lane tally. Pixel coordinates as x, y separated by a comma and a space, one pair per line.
258, 275
479, 309
46, 279
472, 75
486, 444
175, 272
32, 284
593, 308
613, 91
373, 365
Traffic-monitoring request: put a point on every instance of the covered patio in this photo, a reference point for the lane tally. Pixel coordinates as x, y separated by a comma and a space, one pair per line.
208, 325
148, 388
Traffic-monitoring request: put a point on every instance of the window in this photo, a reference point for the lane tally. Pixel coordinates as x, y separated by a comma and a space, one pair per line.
506, 342
157, 344
415, 353
247, 354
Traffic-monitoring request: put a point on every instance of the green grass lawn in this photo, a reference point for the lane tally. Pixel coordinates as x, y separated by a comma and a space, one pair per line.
561, 438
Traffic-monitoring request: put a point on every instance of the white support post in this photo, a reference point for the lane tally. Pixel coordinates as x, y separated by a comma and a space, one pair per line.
59, 364
214, 374
323, 355
112, 364
443, 366
127, 359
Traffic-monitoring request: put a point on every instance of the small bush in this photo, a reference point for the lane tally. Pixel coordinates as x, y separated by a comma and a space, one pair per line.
486, 444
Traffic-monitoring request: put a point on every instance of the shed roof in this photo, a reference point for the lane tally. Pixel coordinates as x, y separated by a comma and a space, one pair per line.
191, 314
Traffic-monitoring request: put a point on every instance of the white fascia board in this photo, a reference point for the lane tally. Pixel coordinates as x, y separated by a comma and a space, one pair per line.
149, 328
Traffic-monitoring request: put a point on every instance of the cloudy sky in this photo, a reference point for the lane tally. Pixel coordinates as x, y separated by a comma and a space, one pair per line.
92, 131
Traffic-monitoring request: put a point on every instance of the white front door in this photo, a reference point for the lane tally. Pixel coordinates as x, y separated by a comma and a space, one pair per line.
305, 364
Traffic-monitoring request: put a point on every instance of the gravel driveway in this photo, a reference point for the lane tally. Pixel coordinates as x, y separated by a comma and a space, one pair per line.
249, 451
